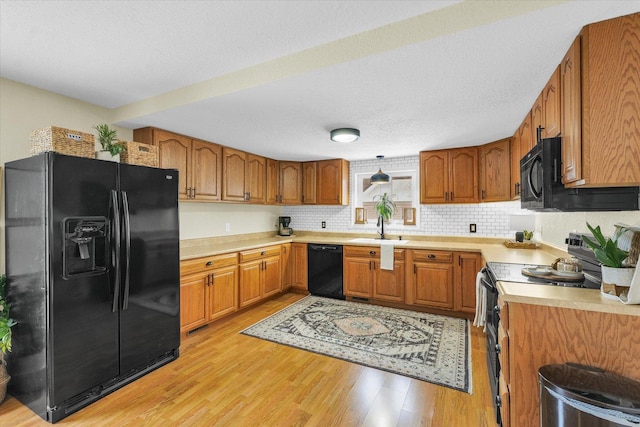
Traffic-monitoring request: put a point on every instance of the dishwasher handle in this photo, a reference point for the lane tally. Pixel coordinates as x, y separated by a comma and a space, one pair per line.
325, 248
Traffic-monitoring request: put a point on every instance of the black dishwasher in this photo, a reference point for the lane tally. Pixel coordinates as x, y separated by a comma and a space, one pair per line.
325, 270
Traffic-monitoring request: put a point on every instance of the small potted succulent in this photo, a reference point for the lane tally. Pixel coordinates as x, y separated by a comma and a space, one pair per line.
111, 146
615, 273
5, 337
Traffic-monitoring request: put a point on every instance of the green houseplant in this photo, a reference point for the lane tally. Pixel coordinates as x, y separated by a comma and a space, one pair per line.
616, 276
5, 337
109, 141
385, 207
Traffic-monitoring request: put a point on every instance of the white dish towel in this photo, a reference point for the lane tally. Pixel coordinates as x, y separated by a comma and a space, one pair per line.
386, 256
481, 302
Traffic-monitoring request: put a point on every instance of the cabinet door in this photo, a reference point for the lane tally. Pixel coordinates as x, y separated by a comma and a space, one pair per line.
514, 155
465, 288
249, 282
299, 261
309, 184
291, 183
433, 285
193, 312
223, 291
333, 182
527, 135
287, 267
536, 120
272, 276
463, 175
174, 152
389, 284
273, 174
434, 176
571, 115
233, 169
494, 171
551, 106
256, 176
358, 277
207, 170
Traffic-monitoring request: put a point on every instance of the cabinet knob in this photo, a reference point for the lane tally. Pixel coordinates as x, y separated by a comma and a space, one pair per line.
209, 264
431, 256
372, 252
263, 253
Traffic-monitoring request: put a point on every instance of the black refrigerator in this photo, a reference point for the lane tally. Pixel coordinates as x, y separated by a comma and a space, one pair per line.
92, 263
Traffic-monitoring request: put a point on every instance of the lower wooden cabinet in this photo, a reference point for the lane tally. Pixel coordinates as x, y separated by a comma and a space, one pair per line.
364, 278
260, 274
298, 262
444, 280
208, 289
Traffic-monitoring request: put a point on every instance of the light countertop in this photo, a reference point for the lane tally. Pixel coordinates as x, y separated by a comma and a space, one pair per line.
491, 250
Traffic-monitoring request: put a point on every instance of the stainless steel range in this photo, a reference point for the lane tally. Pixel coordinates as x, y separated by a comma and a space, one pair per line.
508, 272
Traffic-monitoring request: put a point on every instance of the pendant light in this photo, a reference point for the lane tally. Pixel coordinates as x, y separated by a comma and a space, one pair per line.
380, 177
345, 135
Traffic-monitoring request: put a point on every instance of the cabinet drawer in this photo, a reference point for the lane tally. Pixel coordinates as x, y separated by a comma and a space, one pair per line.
370, 252
260, 253
207, 263
433, 256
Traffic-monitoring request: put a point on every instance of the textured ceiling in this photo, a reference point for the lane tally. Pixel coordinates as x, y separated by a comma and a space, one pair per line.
273, 77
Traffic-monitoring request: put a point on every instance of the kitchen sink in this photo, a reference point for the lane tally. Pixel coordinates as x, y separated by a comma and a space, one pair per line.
378, 241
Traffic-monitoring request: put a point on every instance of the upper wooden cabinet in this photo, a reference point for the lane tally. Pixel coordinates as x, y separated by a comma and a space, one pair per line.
449, 176
495, 175
198, 162
290, 183
309, 182
521, 144
536, 120
234, 186
551, 119
608, 153
273, 181
244, 176
333, 182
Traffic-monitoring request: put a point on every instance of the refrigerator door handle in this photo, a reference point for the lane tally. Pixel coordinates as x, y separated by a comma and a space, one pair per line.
116, 249
127, 240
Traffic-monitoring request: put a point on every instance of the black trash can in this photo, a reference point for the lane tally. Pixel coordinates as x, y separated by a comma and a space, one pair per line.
583, 396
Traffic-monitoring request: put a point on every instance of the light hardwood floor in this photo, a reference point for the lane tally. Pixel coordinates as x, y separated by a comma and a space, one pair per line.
225, 378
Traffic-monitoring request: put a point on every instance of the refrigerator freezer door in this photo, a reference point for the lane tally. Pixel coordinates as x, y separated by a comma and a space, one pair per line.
83, 329
150, 300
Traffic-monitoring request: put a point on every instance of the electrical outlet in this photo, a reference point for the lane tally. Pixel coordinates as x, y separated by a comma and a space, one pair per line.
324, 224
472, 228
227, 227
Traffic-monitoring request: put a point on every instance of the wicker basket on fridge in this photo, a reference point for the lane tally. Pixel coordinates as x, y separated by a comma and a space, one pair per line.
63, 141
141, 154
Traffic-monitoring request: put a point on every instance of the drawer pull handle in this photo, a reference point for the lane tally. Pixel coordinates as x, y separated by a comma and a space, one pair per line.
209, 264
372, 252
431, 256
263, 253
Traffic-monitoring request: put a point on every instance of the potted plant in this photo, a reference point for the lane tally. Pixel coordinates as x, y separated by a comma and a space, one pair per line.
385, 207
111, 147
615, 273
5, 337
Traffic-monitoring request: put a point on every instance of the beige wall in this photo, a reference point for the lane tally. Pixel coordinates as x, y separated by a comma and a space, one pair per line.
554, 227
24, 108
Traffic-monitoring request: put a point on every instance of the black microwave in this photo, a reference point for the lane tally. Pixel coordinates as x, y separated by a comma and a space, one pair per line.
542, 188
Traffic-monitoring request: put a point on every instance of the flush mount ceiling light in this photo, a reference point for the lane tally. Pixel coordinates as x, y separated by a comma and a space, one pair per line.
345, 135
380, 177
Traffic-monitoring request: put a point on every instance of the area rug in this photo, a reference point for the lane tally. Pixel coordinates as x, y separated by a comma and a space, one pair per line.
424, 346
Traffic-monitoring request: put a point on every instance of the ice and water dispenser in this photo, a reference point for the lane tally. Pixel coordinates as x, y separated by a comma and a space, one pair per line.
86, 246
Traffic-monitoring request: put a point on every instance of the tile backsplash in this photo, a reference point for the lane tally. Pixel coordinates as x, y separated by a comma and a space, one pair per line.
491, 219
